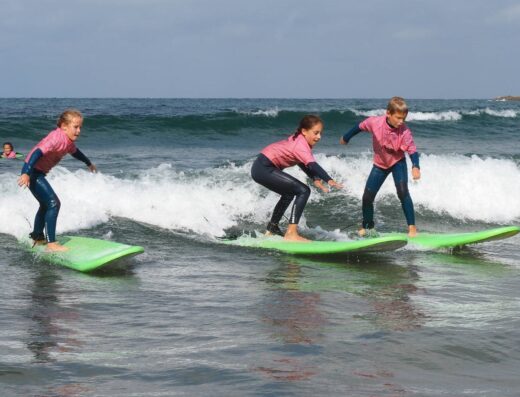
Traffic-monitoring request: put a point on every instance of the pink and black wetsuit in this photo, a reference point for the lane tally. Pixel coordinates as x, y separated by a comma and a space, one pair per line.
390, 145
267, 171
40, 160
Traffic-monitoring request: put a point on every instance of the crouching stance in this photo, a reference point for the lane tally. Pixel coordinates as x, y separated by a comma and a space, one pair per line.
268, 169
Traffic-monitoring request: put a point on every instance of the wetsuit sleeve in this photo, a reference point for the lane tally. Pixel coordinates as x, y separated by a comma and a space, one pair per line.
319, 172
351, 133
415, 159
29, 165
78, 154
307, 171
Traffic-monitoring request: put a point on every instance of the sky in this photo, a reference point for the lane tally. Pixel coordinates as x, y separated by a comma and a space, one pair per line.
259, 48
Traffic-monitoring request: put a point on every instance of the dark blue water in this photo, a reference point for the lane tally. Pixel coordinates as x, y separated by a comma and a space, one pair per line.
194, 317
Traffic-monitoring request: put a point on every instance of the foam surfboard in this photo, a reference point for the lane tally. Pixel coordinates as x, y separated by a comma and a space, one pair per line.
454, 240
86, 254
387, 243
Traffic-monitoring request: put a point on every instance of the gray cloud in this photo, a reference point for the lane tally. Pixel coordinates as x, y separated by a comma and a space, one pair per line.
253, 48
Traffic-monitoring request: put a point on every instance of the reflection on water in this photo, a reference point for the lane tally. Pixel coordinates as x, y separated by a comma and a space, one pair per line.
49, 333
386, 286
52, 331
293, 314
296, 306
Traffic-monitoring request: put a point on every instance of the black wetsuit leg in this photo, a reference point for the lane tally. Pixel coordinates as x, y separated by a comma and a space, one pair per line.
400, 174
47, 214
267, 174
374, 182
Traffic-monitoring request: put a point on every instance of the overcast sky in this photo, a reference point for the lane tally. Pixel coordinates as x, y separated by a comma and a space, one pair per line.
259, 48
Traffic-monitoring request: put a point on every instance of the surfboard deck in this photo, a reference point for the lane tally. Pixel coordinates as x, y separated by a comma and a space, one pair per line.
86, 254
455, 240
387, 243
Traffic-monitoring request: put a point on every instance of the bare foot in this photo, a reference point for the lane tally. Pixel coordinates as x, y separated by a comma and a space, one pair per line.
362, 232
412, 231
39, 242
56, 247
296, 237
292, 234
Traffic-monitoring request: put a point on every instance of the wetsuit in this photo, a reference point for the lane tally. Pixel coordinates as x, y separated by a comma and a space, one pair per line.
389, 145
37, 166
267, 171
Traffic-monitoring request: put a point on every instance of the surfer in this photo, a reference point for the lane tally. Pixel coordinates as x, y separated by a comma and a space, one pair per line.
40, 160
267, 170
391, 138
8, 151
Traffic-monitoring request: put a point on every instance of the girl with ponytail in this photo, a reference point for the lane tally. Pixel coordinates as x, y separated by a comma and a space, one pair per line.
268, 169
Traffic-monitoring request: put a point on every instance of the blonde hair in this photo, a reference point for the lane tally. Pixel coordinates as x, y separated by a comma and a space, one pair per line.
397, 104
68, 115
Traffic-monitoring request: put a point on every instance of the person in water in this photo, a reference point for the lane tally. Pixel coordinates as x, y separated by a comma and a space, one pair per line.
40, 160
8, 152
391, 139
267, 170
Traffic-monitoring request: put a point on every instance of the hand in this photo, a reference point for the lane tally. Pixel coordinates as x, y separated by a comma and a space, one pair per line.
334, 184
320, 186
24, 180
416, 173
92, 168
342, 141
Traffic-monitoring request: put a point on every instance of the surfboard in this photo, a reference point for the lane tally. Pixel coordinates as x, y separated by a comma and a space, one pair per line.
86, 254
454, 240
388, 243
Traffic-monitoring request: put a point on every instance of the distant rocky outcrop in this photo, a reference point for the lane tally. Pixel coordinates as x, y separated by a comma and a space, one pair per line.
507, 98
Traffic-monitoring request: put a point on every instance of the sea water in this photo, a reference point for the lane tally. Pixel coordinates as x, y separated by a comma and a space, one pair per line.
192, 316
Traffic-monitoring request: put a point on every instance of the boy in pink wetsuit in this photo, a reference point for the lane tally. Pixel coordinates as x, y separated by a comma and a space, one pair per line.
296, 150
40, 160
391, 139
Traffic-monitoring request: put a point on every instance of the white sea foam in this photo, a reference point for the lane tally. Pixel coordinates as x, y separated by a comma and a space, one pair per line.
447, 115
210, 201
468, 188
506, 113
267, 113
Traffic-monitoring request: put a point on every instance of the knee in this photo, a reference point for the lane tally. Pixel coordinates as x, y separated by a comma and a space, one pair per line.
54, 204
303, 191
402, 192
368, 197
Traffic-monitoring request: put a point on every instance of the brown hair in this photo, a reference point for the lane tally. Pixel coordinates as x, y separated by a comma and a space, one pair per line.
68, 115
307, 122
397, 104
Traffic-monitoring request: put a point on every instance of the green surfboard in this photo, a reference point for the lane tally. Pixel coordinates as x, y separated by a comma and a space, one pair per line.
86, 254
454, 240
387, 243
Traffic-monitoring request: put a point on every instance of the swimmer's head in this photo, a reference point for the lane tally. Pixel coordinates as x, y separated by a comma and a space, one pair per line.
8, 148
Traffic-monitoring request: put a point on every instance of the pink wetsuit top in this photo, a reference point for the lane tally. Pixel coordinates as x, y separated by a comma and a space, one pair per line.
289, 152
389, 143
11, 155
54, 147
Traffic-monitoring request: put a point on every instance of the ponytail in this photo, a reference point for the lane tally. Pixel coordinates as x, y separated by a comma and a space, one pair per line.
306, 123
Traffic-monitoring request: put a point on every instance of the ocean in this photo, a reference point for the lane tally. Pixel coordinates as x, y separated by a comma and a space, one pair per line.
195, 317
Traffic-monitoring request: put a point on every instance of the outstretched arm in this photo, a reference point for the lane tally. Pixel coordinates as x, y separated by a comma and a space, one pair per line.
350, 134
78, 154
319, 175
